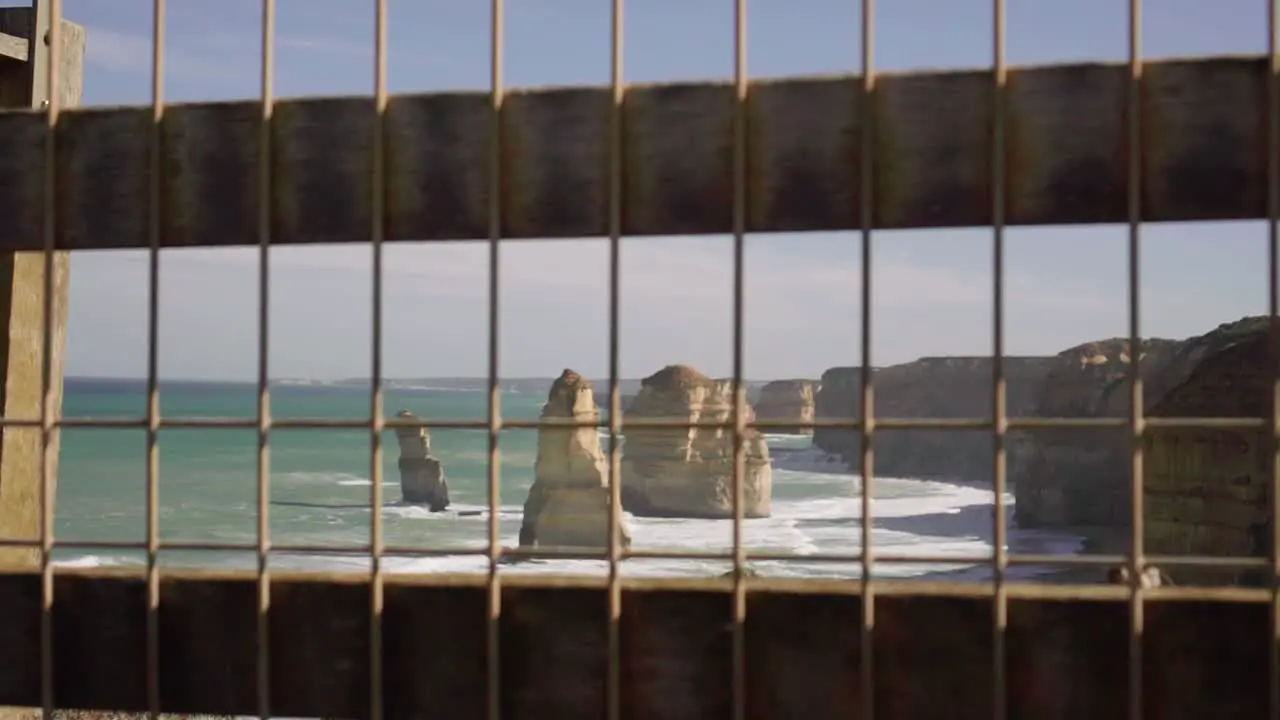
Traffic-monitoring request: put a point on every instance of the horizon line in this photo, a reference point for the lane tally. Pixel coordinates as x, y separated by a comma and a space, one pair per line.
287, 378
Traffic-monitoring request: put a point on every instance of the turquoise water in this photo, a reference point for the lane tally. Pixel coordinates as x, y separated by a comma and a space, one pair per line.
208, 489
208, 478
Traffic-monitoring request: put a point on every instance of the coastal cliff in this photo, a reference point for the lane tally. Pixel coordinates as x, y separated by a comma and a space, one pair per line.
932, 387
1207, 491
568, 504
688, 472
1070, 477
421, 474
1081, 476
788, 401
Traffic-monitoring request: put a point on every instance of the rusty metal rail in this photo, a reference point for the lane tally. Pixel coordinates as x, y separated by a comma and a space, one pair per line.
1064, 648
1065, 159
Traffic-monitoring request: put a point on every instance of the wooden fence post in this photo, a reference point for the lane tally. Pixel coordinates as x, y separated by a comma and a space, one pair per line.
24, 67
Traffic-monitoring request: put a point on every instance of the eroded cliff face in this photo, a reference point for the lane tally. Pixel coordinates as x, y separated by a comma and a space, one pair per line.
1207, 491
568, 504
421, 474
790, 401
839, 398
1074, 477
1080, 476
944, 387
689, 472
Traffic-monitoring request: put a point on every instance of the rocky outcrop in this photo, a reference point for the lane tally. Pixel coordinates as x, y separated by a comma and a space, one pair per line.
602, 401
752, 387
839, 398
1078, 477
421, 474
688, 473
1081, 477
568, 504
790, 401
1208, 491
934, 387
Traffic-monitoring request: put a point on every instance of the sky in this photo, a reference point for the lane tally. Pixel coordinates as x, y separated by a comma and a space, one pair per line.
932, 290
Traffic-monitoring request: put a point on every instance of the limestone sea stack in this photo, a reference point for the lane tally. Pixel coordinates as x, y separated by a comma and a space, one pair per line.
688, 472
568, 504
421, 474
788, 401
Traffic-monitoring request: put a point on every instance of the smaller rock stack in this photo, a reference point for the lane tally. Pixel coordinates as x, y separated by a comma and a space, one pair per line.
421, 474
788, 401
568, 505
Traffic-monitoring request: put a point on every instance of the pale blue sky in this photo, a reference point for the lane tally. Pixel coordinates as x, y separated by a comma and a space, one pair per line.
932, 288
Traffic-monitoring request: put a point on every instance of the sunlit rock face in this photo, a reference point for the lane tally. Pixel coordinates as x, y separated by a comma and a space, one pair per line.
679, 472
568, 504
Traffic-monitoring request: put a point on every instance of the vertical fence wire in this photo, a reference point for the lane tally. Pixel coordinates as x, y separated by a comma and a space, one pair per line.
265, 197
153, 341
52, 37
999, 557
740, 84
740, 119
866, 207
376, 411
613, 682
495, 397
1273, 336
1136, 399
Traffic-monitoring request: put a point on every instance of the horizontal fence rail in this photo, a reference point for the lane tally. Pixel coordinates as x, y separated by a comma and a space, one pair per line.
1205, 651
1203, 123
958, 424
12, 48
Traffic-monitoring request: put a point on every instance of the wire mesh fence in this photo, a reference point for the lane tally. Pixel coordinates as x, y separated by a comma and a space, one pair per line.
379, 202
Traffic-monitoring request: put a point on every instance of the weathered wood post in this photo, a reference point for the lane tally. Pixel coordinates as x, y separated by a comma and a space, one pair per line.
24, 67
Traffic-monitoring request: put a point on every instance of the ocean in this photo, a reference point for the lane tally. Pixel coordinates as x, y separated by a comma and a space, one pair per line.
208, 491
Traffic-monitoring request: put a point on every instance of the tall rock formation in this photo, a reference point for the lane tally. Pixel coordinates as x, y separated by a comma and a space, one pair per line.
688, 472
421, 474
1208, 491
931, 387
568, 504
788, 401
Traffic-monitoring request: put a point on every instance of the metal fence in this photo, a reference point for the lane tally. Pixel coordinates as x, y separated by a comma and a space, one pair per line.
275, 642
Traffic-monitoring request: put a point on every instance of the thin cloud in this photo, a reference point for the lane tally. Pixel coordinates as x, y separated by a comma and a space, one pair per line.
671, 270
324, 45
131, 53
312, 43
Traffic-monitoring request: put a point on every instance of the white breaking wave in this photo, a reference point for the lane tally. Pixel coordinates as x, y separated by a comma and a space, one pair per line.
911, 517
432, 388
808, 459
817, 509
322, 478
457, 512
302, 382
91, 561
